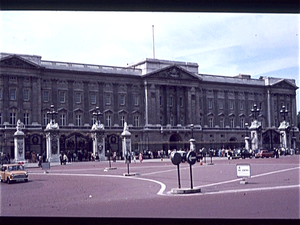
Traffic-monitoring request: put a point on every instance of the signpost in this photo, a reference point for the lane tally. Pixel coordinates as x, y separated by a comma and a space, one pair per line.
176, 160
244, 171
191, 159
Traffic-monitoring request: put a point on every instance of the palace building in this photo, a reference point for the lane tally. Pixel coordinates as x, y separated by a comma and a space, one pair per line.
159, 100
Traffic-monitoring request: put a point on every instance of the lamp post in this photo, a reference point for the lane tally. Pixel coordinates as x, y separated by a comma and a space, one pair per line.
255, 111
284, 112
192, 128
247, 137
52, 113
284, 129
97, 115
256, 134
52, 137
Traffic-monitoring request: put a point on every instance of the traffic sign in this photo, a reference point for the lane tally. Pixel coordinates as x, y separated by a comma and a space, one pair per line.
175, 158
191, 157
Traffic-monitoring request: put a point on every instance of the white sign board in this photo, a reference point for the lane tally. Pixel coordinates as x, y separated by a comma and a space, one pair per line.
243, 170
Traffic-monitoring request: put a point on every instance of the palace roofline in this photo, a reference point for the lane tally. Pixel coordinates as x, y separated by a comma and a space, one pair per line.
149, 65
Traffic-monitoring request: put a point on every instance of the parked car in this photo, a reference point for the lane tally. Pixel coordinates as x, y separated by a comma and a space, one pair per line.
12, 173
234, 154
264, 154
246, 154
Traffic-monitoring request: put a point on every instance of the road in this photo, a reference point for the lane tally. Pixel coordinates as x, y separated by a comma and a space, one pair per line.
84, 189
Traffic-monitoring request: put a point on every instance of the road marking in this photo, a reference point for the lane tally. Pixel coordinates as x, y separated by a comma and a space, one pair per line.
160, 192
163, 186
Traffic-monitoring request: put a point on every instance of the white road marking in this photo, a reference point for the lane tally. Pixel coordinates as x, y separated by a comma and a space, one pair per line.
160, 192
163, 186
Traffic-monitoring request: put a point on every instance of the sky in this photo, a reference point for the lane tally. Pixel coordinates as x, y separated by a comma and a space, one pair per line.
221, 43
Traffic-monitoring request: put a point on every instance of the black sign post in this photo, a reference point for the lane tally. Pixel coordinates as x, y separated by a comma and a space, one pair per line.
176, 160
191, 159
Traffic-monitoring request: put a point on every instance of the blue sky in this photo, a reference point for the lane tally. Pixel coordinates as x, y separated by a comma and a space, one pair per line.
221, 43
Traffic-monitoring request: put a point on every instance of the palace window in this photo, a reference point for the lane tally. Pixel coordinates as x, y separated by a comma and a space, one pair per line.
136, 100
172, 121
0, 118
241, 105
78, 97
221, 104
181, 102
0, 93
122, 121
242, 123
107, 99
12, 94
136, 121
160, 100
232, 122
122, 99
46, 119
161, 120
181, 120
108, 120
231, 104
62, 96
222, 124
210, 105
93, 98
26, 95
12, 119
26, 118
46, 96
62, 119
211, 122
78, 120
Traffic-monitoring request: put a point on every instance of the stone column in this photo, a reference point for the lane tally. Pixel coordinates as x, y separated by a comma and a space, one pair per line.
52, 142
98, 137
19, 144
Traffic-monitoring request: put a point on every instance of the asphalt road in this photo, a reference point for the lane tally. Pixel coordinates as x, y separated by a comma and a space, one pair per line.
84, 189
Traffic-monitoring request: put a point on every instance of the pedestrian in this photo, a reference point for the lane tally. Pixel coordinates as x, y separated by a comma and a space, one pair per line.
65, 158
60, 159
40, 160
141, 157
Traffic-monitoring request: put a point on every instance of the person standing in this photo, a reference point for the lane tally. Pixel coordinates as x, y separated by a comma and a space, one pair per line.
141, 157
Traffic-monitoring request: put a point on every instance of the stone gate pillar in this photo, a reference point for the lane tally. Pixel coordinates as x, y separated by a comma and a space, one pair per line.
256, 135
98, 137
285, 138
52, 142
19, 144
126, 141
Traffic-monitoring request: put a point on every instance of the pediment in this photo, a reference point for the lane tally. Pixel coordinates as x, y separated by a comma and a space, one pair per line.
173, 72
284, 84
16, 61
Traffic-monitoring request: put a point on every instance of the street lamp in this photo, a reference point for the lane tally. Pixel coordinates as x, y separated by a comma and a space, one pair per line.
247, 126
284, 112
52, 112
97, 114
255, 111
192, 128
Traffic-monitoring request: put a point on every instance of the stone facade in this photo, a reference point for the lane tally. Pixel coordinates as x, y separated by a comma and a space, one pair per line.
158, 99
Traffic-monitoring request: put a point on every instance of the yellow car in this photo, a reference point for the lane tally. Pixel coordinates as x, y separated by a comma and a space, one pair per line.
12, 173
